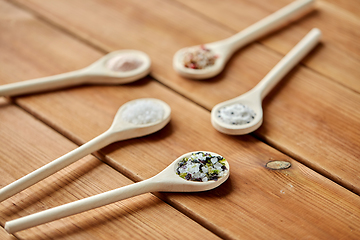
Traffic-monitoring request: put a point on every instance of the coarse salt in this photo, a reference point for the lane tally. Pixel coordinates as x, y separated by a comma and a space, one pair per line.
142, 112
202, 167
236, 114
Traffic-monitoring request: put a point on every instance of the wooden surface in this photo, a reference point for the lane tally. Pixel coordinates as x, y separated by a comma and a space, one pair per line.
311, 119
142, 215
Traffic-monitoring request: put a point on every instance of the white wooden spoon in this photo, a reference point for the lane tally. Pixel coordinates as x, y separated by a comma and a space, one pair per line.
224, 49
96, 73
254, 97
119, 130
165, 181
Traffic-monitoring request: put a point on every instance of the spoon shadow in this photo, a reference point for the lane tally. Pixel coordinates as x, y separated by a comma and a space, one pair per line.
106, 154
226, 47
281, 86
98, 73
138, 83
16, 204
109, 215
314, 13
5, 102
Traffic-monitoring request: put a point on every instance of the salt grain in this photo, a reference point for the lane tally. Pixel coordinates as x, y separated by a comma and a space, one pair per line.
142, 112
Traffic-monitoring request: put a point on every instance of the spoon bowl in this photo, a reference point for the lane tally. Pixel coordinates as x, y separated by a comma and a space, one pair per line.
104, 75
224, 49
96, 73
251, 99
254, 97
219, 49
119, 130
122, 129
166, 181
169, 181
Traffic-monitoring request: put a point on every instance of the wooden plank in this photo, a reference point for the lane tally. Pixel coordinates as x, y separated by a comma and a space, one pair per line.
5, 236
245, 69
338, 58
27, 144
282, 204
350, 6
255, 203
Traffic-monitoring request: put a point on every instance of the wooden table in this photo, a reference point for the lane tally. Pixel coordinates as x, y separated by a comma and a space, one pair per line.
311, 119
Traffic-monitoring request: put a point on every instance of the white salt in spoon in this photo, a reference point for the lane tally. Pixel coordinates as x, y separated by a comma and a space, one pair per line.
254, 97
165, 181
120, 129
224, 49
97, 73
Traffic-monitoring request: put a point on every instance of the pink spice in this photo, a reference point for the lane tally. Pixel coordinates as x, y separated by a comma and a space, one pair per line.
199, 57
123, 63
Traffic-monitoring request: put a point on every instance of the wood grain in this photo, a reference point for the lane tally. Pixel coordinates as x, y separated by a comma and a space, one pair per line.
331, 119
289, 198
350, 6
339, 57
255, 203
27, 144
5, 236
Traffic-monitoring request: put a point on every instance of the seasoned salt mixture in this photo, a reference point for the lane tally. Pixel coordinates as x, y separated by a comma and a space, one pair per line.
124, 63
199, 57
236, 114
142, 112
202, 167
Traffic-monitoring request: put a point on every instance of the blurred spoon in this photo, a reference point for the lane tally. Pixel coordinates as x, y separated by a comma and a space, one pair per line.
96, 73
224, 49
165, 181
120, 129
253, 98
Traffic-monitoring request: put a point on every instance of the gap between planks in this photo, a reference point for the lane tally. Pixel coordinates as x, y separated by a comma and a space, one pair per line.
103, 49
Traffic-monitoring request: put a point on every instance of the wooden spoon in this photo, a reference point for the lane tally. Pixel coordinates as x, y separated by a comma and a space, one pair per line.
119, 130
96, 73
254, 97
224, 49
165, 181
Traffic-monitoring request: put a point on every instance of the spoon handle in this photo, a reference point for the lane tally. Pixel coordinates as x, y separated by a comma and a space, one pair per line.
43, 84
288, 62
270, 23
81, 205
56, 165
